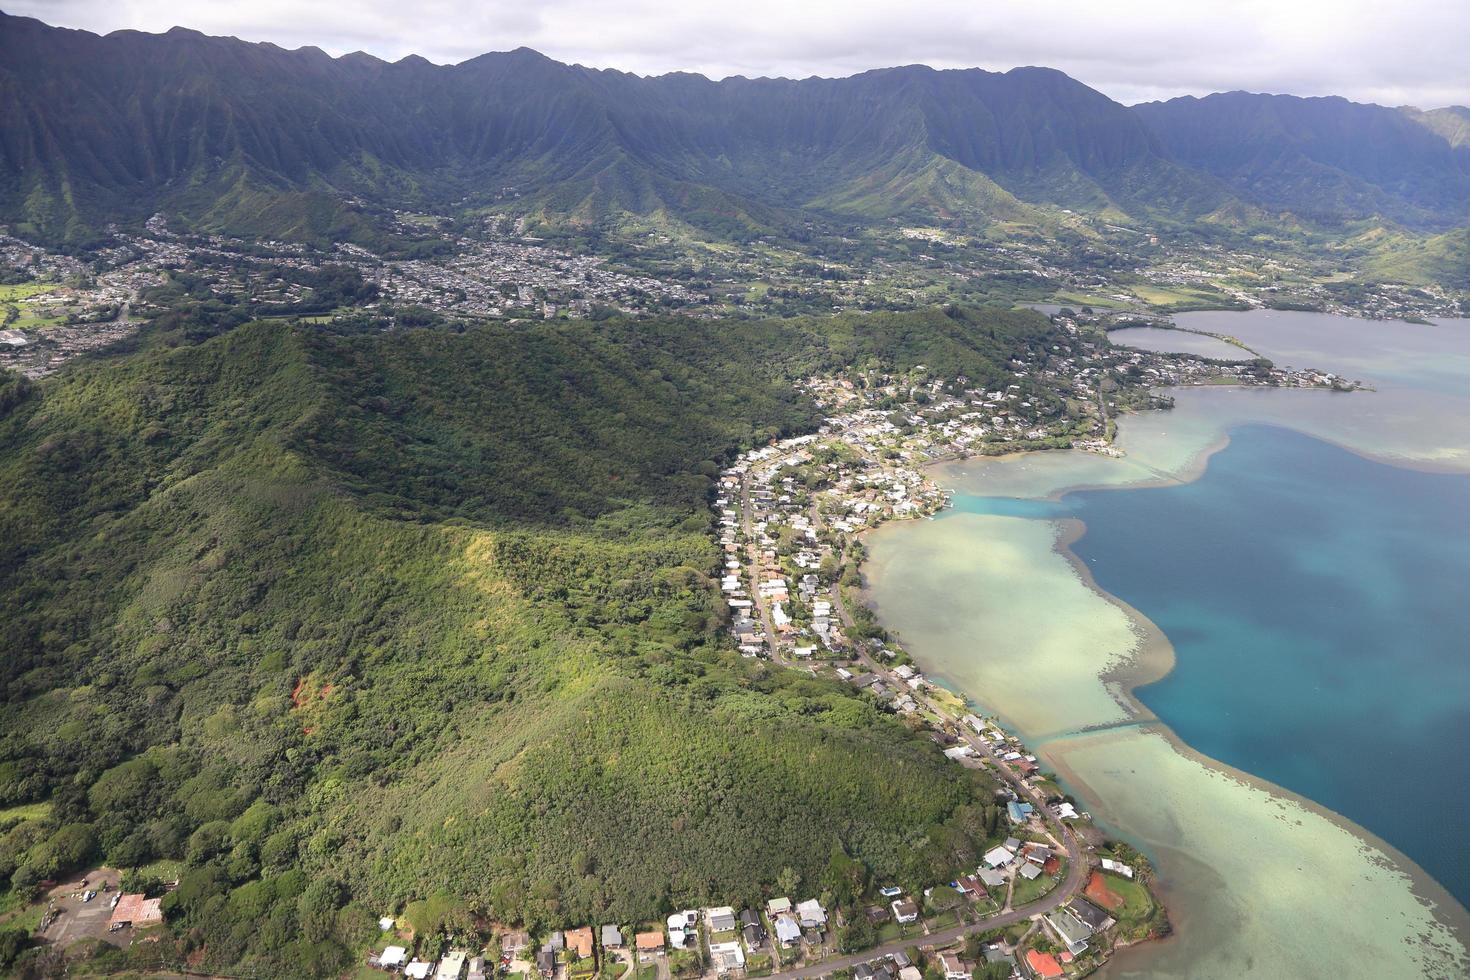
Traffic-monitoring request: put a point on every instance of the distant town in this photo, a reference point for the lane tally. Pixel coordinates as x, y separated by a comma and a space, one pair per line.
56, 306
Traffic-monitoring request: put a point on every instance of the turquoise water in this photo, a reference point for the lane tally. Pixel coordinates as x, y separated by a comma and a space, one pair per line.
1319, 607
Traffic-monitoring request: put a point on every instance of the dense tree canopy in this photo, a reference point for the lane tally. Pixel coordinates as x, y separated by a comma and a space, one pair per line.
428, 619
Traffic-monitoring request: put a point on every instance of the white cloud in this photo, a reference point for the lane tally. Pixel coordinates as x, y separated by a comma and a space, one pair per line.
1410, 51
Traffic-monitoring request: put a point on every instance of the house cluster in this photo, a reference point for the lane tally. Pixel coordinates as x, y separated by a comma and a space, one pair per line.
494, 273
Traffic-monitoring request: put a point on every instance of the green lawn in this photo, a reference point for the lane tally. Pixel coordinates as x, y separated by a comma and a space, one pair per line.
1137, 905
942, 920
757, 965
1029, 891
24, 290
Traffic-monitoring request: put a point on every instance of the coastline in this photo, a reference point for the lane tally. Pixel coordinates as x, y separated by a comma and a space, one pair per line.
1153, 658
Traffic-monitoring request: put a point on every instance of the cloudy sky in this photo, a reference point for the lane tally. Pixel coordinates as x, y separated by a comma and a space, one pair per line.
1402, 51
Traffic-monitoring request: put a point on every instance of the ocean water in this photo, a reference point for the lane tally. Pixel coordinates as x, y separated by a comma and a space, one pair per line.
1253, 661
1317, 606
1178, 342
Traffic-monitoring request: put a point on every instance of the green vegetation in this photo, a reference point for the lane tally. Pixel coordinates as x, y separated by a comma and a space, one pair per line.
429, 621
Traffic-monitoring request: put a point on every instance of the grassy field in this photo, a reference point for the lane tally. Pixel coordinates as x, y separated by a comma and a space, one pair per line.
1029, 891
1176, 295
24, 811
25, 290
1077, 299
1137, 904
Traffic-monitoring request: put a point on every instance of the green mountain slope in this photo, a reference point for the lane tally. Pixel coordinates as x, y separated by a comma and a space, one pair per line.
349, 622
96, 129
1325, 159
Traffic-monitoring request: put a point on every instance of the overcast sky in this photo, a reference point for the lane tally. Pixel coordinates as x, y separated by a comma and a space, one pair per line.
1394, 52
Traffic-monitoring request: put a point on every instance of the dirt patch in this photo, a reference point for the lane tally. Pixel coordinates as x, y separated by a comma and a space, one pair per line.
1098, 893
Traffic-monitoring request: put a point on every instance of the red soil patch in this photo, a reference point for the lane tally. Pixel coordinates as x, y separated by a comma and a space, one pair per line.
1098, 893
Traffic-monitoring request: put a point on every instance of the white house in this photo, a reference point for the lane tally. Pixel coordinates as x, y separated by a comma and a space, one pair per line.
811, 914
788, 929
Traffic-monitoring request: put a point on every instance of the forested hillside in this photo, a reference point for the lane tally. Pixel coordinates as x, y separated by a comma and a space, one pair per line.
349, 622
251, 139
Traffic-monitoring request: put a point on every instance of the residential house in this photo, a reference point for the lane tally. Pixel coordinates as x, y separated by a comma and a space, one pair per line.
776, 906
1018, 811
555, 942
418, 969
862, 972
906, 912
954, 968
514, 943
477, 969
579, 942
677, 930
910, 973
788, 929
721, 919
612, 937
996, 954
811, 914
1043, 965
998, 857
650, 943
452, 965
727, 957
970, 887
877, 914
993, 877
1072, 931
392, 957
1095, 918
546, 962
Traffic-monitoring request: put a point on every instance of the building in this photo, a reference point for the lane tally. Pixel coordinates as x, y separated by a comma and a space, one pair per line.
788, 929
452, 965
776, 906
999, 857
970, 887
650, 943
514, 943
1043, 964
1072, 931
1093, 917
811, 914
136, 911
906, 912
726, 957
546, 962
721, 919
579, 942
392, 957
954, 968
612, 937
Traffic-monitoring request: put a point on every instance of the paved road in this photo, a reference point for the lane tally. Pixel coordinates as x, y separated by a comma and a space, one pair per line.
753, 567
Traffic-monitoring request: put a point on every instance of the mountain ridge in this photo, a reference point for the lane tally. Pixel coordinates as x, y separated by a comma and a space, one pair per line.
219, 131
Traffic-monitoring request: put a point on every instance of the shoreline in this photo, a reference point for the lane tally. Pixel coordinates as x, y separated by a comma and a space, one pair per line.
1152, 659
